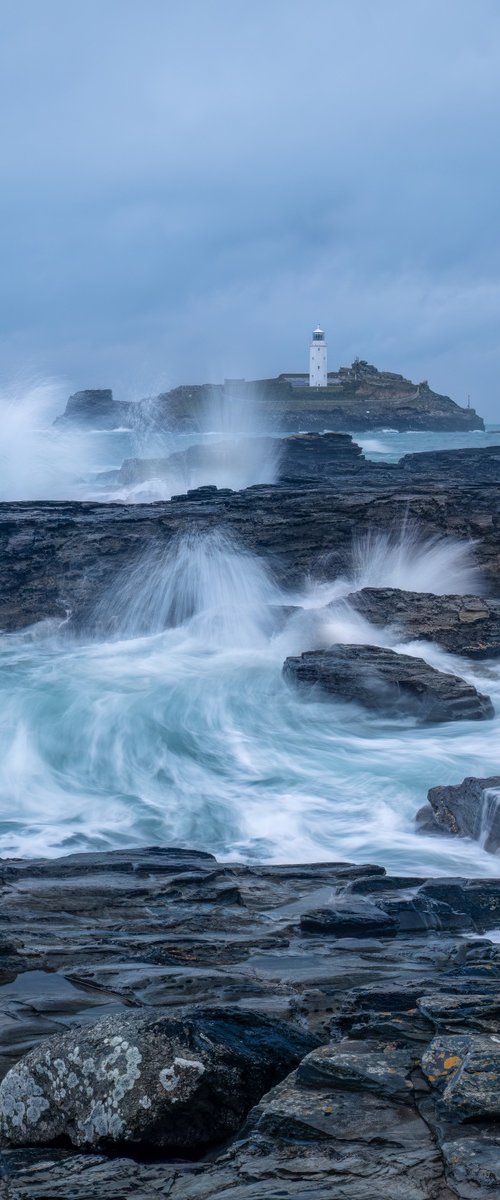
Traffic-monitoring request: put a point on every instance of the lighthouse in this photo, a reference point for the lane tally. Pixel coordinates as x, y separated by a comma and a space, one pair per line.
317, 360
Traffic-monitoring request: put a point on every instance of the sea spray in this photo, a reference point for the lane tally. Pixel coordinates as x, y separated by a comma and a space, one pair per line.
38, 462
401, 558
179, 729
202, 578
229, 446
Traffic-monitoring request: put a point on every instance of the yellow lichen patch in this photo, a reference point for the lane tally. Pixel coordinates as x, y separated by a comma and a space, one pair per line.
453, 1061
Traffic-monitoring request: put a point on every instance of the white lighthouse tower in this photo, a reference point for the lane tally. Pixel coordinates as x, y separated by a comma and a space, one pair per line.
317, 360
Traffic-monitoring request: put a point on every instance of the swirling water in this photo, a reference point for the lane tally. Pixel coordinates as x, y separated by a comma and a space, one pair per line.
170, 721
178, 728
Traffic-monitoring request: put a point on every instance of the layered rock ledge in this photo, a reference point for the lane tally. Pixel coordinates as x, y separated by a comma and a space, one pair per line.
59, 558
384, 987
468, 625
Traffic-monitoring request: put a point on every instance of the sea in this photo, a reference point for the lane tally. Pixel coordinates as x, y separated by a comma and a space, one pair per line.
178, 728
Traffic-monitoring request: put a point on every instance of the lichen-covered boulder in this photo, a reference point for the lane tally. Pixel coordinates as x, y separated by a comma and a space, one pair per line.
182, 1084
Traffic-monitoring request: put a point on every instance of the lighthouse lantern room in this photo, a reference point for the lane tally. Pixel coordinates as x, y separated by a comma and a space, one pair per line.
318, 376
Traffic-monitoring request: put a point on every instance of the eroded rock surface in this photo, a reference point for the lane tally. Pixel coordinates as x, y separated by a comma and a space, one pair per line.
396, 684
468, 625
155, 935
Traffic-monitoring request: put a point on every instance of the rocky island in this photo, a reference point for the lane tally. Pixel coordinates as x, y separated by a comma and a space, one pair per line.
355, 398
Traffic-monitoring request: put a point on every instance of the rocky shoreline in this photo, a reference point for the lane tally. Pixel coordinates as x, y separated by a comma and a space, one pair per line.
57, 558
379, 994
177, 1026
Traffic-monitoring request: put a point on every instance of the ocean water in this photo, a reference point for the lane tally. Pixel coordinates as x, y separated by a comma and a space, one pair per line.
170, 722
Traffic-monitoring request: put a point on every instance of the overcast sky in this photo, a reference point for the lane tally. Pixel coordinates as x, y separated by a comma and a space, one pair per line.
188, 187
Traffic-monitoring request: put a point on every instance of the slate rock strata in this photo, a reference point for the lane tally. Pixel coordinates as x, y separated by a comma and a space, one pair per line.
468, 809
58, 559
391, 683
400, 1100
468, 625
467, 463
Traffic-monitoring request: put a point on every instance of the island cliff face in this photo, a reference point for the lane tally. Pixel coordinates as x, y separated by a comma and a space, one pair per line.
357, 397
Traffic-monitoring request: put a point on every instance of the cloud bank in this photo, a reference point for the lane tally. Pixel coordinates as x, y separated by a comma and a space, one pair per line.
186, 190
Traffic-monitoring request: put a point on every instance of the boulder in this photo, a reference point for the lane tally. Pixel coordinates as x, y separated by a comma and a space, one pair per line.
182, 1084
462, 624
390, 683
468, 809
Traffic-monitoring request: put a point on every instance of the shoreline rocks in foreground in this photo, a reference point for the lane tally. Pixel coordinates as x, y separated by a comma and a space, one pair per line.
395, 1021
390, 683
179, 1084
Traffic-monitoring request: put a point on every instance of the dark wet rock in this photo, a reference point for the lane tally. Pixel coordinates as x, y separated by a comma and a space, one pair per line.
473, 1164
479, 898
349, 920
395, 684
420, 913
467, 625
117, 933
371, 884
361, 1067
182, 1084
60, 559
416, 913
474, 463
468, 809
367, 1145
465, 1071
461, 1012
43, 1174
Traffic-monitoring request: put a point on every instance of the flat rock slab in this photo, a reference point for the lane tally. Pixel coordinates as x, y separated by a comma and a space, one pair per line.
390, 683
467, 625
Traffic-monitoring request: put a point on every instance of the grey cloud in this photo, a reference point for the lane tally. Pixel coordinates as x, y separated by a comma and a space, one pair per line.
186, 189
